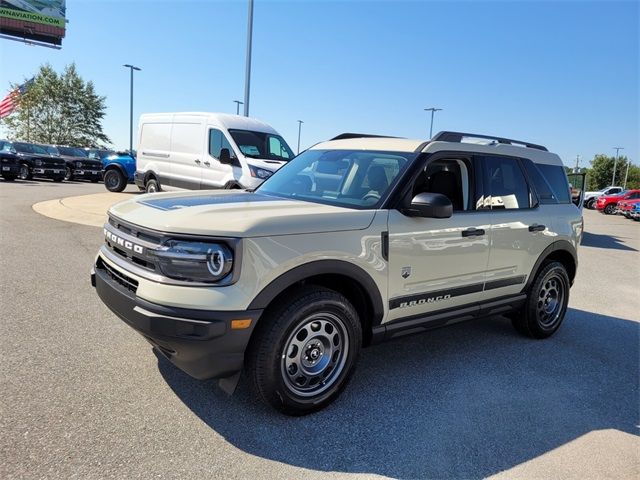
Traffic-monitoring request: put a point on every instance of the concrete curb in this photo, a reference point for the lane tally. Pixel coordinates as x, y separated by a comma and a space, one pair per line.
88, 210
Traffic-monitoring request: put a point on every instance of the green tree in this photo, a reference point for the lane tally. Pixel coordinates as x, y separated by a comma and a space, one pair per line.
60, 109
601, 172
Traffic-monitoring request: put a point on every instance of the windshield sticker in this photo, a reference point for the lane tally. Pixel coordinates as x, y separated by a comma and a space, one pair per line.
249, 149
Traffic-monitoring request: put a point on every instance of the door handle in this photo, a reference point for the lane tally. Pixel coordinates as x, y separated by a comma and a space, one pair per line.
207, 163
473, 232
197, 161
536, 228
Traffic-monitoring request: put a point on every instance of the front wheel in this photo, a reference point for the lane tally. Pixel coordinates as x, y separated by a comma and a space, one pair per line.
152, 186
305, 350
609, 209
25, 172
68, 175
590, 204
546, 303
114, 181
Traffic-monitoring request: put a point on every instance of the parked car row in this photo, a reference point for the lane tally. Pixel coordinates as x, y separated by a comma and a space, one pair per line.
622, 203
58, 162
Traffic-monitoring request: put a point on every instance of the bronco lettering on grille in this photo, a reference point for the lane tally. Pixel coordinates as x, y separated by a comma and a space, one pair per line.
122, 242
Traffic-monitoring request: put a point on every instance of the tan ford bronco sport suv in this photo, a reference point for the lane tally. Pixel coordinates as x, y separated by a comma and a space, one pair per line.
357, 240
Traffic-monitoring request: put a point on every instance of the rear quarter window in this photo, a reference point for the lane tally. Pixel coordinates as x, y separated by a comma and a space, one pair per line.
556, 177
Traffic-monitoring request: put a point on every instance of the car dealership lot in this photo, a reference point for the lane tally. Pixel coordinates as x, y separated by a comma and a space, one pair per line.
83, 395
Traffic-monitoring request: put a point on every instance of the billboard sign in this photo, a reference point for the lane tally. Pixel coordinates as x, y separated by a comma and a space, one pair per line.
37, 20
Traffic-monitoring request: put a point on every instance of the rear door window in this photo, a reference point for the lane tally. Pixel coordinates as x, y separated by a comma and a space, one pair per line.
506, 184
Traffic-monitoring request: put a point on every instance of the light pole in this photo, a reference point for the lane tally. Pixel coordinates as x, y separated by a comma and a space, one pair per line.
615, 162
131, 69
238, 103
432, 110
247, 76
577, 170
626, 175
300, 122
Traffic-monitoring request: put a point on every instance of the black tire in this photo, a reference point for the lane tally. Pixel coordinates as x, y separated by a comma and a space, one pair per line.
152, 186
590, 204
546, 303
609, 209
281, 354
9, 178
25, 172
114, 181
68, 176
95, 180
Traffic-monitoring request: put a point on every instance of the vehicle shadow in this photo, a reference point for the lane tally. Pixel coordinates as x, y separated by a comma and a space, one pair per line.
467, 401
604, 241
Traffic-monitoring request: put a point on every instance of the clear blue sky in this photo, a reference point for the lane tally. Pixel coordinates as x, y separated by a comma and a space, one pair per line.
560, 73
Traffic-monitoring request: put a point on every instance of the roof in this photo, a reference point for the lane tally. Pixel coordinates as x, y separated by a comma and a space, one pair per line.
371, 143
226, 120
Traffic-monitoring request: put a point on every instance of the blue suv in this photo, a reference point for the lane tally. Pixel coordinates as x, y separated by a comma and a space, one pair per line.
117, 168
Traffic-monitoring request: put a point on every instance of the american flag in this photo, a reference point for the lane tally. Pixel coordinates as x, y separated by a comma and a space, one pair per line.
9, 102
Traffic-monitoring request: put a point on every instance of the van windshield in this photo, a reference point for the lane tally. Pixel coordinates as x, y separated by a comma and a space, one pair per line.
262, 145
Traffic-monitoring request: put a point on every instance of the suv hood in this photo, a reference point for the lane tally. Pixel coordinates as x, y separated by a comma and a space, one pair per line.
230, 213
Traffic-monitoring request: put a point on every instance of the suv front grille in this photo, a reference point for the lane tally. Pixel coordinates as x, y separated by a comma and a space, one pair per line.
118, 277
129, 233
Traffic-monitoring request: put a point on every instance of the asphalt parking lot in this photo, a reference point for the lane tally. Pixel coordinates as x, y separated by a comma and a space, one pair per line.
83, 396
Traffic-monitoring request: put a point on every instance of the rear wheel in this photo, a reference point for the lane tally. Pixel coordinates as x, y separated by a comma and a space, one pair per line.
590, 204
152, 186
305, 350
114, 181
546, 303
609, 209
25, 172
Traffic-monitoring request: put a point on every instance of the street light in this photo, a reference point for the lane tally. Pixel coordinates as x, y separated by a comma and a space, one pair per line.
626, 175
238, 103
131, 69
247, 76
615, 162
300, 122
432, 110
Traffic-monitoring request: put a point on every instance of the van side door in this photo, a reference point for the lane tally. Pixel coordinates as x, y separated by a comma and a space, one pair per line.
185, 155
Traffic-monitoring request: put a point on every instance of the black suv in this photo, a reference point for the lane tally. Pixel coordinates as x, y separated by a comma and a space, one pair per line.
78, 165
9, 160
35, 161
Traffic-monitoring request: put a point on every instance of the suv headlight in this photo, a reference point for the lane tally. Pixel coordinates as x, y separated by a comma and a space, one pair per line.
260, 172
194, 261
38, 163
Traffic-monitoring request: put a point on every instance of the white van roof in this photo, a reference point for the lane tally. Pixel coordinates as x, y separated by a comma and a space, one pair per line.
225, 120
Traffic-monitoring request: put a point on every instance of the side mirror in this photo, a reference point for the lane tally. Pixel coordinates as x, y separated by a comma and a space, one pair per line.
430, 205
225, 156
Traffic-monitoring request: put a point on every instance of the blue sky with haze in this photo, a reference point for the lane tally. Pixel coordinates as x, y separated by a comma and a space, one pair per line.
560, 73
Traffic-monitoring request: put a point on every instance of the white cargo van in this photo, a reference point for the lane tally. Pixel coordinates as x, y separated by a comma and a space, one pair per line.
198, 150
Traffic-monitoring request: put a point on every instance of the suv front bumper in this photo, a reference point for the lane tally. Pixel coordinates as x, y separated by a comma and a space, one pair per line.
87, 174
201, 343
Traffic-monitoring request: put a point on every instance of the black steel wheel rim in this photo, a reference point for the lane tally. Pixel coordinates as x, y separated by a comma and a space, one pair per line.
112, 180
551, 299
315, 354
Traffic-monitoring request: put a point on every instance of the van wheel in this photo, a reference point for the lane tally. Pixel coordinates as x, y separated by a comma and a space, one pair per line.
546, 303
304, 351
114, 181
152, 186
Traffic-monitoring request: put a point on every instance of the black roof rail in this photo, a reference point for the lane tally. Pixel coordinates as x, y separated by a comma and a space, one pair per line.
346, 136
456, 137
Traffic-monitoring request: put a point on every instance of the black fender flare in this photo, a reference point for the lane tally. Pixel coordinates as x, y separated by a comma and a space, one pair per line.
118, 167
322, 267
560, 245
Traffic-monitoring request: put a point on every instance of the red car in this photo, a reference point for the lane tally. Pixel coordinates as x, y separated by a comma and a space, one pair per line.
608, 203
625, 206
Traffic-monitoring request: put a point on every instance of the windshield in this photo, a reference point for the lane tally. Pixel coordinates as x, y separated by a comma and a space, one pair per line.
262, 145
51, 149
29, 148
71, 152
347, 178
